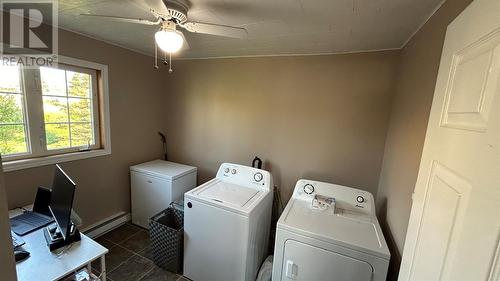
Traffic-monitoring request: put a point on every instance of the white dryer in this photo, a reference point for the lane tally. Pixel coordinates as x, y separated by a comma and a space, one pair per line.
329, 232
226, 225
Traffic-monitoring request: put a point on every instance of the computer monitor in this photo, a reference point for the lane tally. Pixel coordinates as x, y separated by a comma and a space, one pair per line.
61, 201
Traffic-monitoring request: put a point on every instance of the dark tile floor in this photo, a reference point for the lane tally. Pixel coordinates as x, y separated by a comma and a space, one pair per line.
129, 257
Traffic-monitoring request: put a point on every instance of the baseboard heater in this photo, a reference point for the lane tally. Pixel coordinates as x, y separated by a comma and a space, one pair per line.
101, 227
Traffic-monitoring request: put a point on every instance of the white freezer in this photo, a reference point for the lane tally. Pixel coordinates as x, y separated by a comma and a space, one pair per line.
154, 184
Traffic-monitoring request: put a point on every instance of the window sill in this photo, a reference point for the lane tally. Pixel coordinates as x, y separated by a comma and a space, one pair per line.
14, 165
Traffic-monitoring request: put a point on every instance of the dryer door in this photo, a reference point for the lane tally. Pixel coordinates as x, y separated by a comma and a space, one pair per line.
305, 262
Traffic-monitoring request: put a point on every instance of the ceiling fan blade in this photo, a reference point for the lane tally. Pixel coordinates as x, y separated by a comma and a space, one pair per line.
185, 46
125, 19
215, 29
159, 8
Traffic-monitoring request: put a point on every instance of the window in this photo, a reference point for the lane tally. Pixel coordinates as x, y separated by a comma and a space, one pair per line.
69, 105
13, 138
53, 113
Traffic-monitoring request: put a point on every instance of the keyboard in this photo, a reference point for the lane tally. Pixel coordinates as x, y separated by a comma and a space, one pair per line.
16, 240
28, 222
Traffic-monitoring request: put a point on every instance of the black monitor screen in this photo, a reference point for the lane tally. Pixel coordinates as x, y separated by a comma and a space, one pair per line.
61, 200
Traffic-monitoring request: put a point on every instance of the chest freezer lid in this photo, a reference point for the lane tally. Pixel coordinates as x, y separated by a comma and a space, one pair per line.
163, 169
228, 193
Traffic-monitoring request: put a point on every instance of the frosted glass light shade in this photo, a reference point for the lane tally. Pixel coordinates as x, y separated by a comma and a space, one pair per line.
169, 41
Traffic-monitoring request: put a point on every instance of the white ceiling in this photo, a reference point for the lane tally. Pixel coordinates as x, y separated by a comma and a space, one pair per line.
274, 27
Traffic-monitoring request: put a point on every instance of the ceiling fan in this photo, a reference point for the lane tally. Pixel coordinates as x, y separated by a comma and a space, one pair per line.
170, 14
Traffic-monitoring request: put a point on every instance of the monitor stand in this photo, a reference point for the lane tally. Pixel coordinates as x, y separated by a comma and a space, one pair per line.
54, 238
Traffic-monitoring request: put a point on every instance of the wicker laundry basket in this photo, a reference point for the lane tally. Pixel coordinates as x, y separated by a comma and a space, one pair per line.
166, 230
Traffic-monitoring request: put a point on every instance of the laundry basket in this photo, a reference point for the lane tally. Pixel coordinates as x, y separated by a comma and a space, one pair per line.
166, 230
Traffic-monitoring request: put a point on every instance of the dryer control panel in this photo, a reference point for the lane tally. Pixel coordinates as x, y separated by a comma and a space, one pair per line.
245, 176
346, 198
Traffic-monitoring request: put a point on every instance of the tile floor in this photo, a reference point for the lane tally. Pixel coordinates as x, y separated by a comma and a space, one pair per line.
129, 257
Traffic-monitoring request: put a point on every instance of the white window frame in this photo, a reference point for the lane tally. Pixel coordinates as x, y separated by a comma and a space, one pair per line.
12, 163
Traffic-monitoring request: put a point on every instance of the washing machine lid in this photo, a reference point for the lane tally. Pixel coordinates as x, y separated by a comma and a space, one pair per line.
228, 193
355, 231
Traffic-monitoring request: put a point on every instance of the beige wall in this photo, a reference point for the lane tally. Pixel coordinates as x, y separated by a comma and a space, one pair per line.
7, 266
316, 117
410, 109
136, 107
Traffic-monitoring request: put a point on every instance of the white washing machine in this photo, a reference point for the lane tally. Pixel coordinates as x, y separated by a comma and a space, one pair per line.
226, 225
329, 232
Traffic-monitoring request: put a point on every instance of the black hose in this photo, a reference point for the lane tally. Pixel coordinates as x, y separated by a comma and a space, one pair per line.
164, 141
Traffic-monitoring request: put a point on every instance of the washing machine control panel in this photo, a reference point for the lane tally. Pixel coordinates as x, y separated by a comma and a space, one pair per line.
345, 197
246, 176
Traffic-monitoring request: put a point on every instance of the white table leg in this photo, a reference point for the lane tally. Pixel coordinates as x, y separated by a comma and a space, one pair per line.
89, 267
103, 268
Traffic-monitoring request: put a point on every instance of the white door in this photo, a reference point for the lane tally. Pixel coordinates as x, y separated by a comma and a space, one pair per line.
454, 227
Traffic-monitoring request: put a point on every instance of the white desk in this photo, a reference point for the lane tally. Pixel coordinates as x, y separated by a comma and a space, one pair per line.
44, 265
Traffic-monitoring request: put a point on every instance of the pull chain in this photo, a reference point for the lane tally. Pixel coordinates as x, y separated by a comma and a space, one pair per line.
155, 65
170, 63
156, 56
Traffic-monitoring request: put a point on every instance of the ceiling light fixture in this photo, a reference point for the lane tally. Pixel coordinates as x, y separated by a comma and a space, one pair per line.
168, 38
